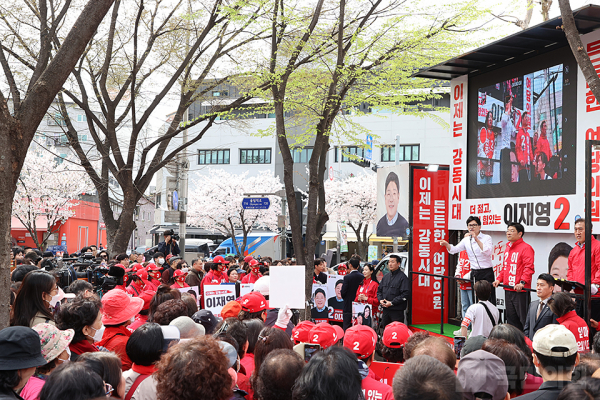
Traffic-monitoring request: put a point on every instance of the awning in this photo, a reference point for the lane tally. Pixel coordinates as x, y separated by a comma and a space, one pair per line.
41, 224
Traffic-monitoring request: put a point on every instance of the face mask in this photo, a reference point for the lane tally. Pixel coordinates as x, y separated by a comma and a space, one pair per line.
161, 261
185, 269
98, 333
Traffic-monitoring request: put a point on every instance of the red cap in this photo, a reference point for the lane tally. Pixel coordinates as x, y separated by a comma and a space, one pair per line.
253, 262
147, 296
301, 331
153, 267
142, 274
361, 340
325, 335
231, 309
248, 258
395, 335
179, 272
137, 267
253, 302
219, 260
169, 257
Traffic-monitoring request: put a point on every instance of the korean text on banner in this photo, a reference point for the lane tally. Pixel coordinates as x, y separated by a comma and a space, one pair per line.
216, 296
287, 286
430, 225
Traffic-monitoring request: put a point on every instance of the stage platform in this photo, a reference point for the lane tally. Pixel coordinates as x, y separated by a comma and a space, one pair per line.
434, 329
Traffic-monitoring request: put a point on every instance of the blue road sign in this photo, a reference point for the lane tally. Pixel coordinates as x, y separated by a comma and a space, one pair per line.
256, 203
175, 200
369, 148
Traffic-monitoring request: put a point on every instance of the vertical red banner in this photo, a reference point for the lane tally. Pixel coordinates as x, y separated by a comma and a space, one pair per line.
430, 225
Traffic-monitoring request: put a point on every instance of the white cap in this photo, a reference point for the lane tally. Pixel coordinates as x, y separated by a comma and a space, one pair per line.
188, 328
262, 285
555, 341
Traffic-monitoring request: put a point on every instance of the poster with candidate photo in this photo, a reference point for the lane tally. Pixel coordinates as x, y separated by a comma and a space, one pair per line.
392, 201
335, 303
362, 314
319, 311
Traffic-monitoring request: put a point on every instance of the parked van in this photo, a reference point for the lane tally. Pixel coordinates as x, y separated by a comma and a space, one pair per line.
264, 244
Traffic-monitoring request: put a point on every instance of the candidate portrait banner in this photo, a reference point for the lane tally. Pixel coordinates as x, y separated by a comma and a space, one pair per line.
319, 311
216, 296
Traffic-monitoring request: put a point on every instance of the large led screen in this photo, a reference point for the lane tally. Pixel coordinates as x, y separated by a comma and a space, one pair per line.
522, 141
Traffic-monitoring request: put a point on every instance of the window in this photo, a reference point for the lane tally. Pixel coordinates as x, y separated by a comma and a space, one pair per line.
349, 150
255, 156
213, 157
158, 198
302, 155
82, 138
81, 118
408, 152
56, 119
219, 93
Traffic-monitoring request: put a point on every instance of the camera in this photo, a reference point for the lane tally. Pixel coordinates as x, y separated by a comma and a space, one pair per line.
170, 232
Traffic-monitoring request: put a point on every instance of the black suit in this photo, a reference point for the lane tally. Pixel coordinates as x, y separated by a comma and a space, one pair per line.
532, 325
352, 282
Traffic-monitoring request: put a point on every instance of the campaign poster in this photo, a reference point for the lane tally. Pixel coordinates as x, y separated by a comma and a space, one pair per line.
193, 290
335, 303
372, 253
362, 314
216, 296
392, 201
430, 226
319, 311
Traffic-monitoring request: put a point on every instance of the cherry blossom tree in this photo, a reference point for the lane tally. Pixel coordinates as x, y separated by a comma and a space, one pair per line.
215, 203
354, 200
48, 188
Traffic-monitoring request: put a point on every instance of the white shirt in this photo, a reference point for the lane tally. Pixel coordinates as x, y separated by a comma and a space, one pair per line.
479, 319
479, 259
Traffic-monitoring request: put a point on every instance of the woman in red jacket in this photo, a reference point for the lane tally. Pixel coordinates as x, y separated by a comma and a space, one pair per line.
367, 292
562, 305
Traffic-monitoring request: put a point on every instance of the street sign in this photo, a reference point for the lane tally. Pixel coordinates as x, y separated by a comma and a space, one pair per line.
331, 173
172, 217
175, 200
369, 148
256, 203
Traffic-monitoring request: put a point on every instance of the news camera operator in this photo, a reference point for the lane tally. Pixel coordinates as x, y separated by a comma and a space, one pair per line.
169, 245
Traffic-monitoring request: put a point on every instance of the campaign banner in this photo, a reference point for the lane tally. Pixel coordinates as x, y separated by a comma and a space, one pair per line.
216, 296
430, 225
319, 311
372, 253
343, 237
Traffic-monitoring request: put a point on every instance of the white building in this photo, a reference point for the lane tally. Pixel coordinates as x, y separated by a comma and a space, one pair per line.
235, 147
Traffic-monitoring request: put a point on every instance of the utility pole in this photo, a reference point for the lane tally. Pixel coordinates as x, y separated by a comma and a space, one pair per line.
395, 238
183, 165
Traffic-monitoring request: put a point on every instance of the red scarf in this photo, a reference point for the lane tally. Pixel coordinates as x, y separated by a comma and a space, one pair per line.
82, 346
144, 369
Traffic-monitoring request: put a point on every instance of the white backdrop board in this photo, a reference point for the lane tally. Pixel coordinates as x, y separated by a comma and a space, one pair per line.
287, 286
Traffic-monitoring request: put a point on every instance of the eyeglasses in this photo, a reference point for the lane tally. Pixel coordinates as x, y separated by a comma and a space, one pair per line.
108, 388
472, 225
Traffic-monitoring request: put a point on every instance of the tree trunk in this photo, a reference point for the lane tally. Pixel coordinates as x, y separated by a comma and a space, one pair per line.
578, 49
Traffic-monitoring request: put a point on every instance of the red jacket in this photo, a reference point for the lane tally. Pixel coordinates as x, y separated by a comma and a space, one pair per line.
251, 278
543, 146
369, 287
211, 279
523, 148
115, 339
134, 289
375, 390
517, 265
576, 270
578, 327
